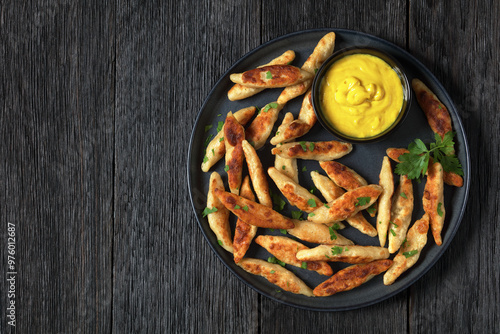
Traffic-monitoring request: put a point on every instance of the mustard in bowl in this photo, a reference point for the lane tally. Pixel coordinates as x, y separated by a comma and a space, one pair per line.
361, 94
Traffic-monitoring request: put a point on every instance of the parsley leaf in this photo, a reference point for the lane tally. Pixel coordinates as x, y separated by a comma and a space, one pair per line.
451, 163
371, 209
415, 163
207, 211
269, 106
207, 141
336, 250
333, 235
269, 75
275, 261
311, 202
296, 214
410, 253
278, 202
362, 201
439, 210
220, 124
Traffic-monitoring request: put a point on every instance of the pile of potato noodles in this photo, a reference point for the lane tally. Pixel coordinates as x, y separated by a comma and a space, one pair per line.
346, 193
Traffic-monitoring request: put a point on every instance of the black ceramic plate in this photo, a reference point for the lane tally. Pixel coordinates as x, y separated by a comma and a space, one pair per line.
366, 159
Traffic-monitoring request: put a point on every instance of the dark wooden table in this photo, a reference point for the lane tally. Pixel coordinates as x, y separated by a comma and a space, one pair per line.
98, 102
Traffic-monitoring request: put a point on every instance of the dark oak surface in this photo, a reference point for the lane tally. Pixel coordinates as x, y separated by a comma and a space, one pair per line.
98, 102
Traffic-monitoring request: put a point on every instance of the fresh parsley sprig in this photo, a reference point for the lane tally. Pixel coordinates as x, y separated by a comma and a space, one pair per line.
415, 163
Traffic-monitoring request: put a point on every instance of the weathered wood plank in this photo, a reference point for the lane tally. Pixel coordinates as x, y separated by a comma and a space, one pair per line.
459, 44
167, 279
57, 80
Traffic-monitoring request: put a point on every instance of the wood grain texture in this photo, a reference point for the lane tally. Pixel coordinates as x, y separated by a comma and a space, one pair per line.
462, 50
57, 162
99, 100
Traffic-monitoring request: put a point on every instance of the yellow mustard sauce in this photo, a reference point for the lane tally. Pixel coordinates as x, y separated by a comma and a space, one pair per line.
361, 95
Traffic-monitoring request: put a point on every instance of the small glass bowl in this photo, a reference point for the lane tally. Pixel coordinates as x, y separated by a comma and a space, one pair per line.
316, 94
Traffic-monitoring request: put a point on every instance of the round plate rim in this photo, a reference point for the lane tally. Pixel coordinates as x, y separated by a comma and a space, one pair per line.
466, 166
